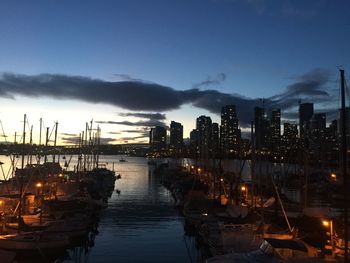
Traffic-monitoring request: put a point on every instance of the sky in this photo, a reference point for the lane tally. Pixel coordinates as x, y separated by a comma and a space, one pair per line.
130, 65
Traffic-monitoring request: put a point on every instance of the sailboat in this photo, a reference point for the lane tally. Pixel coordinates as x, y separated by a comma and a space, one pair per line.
34, 240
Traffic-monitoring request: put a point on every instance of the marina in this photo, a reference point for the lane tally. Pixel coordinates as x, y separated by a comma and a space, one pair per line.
212, 131
140, 216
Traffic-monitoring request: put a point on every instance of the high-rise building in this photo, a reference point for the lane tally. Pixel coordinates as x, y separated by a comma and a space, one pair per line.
215, 139
176, 138
229, 132
289, 145
261, 128
275, 130
290, 130
318, 137
347, 126
158, 139
194, 150
306, 111
332, 143
204, 128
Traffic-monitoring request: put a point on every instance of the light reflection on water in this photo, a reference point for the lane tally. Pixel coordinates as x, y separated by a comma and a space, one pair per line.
140, 224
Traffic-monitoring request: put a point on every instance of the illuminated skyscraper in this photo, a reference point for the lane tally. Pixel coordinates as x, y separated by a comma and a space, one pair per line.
176, 137
261, 128
306, 111
158, 139
204, 128
229, 132
274, 135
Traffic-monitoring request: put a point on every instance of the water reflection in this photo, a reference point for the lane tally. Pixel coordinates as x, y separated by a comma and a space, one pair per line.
140, 223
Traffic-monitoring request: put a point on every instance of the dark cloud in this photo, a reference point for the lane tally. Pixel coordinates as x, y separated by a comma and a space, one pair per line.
131, 95
149, 97
149, 123
211, 81
130, 138
151, 116
76, 139
308, 87
135, 131
126, 77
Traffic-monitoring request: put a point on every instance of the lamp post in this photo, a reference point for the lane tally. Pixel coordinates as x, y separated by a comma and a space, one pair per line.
329, 224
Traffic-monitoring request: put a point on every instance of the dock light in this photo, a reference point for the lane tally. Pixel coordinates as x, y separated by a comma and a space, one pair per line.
329, 223
334, 176
325, 223
243, 188
38, 185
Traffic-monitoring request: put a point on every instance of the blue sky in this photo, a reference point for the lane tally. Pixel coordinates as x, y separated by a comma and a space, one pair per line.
252, 49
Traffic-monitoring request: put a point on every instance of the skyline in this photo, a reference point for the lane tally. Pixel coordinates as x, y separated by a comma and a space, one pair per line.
73, 61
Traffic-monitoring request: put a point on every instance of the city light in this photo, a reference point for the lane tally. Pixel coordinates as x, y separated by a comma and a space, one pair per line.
39, 185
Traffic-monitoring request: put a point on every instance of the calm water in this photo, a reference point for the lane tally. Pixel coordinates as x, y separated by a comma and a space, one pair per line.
140, 224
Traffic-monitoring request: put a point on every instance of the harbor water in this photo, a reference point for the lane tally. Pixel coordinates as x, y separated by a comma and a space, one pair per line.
140, 224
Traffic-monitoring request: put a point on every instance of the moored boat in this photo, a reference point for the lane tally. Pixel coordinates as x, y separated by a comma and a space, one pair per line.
33, 241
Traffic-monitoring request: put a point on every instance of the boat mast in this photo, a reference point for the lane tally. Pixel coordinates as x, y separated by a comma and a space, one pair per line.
54, 153
31, 145
41, 127
344, 163
46, 143
252, 163
21, 176
24, 139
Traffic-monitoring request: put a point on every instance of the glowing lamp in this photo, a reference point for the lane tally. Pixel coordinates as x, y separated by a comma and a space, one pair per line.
325, 223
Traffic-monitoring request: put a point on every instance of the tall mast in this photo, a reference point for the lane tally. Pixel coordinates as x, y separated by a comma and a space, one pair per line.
344, 163
41, 126
24, 139
46, 143
54, 154
31, 144
21, 177
252, 163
